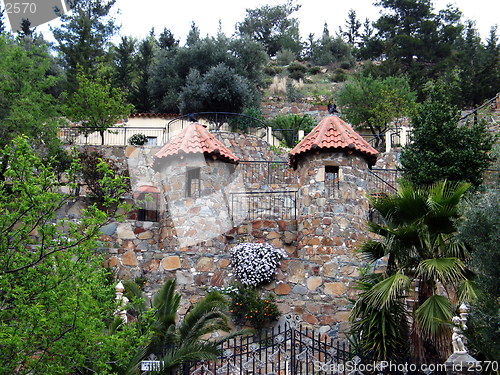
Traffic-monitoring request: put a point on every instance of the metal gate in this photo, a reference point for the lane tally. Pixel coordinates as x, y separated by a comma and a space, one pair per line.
288, 350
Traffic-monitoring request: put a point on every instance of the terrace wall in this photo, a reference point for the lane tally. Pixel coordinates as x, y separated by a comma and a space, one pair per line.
316, 286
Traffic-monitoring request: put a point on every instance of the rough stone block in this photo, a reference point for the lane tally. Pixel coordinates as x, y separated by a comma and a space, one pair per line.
336, 288
171, 263
314, 282
283, 289
311, 319
296, 271
205, 264
112, 262
151, 265
129, 259
124, 231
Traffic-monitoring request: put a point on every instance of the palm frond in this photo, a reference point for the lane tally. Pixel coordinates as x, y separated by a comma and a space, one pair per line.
133, 364
467, 291
446, 270
134, 294
431, 317
380, 330
188, 353
208, 315
371, 251
167, 302
388, 291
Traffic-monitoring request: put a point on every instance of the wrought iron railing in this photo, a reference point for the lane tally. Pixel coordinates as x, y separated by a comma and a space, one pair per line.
114, 136
284, 350
219, 121
284, 137
262, 172
257, 205
475, 111
382, 180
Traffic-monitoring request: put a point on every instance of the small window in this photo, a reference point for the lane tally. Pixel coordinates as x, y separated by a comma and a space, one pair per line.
193, 183
148, 203
331, 180
152, 141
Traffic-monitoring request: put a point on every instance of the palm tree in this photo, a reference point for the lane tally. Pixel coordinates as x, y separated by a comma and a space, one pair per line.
425, 273
189, 340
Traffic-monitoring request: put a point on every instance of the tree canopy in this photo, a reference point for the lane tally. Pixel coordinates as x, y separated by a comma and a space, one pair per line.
441, 148
374, 103
273, 27
96, 105
26, 104
56, 298
84, 35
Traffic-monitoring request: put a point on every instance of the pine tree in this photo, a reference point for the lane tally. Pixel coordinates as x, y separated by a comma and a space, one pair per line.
83, 38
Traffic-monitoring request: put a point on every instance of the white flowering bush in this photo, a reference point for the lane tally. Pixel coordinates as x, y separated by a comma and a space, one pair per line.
255, 263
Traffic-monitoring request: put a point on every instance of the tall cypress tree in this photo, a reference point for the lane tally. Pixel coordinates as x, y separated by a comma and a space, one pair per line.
83, 38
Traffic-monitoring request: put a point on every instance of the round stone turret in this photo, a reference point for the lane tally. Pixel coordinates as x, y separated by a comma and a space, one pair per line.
195, 168
332, 162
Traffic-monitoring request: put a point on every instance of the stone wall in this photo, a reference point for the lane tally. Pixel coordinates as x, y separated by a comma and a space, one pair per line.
271, 108
316, 279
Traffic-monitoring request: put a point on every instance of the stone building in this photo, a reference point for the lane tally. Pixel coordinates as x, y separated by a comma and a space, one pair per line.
211, 191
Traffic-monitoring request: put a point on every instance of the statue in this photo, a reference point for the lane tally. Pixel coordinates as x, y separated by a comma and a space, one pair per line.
121, 301
457, 337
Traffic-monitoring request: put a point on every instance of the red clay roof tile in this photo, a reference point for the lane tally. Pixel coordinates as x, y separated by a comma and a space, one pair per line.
332, 133
196, 139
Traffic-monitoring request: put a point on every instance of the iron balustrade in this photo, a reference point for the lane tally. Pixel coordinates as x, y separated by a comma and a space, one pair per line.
219, 121
281, 350
475, 111
383, 180
114, 136
258, 205
263, 172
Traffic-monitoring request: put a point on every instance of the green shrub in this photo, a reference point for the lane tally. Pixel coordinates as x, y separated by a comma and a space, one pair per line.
285, 57
339, 75
249, 307
292, 94
346, 65
138, 140
273, 70
296, 70
313, 70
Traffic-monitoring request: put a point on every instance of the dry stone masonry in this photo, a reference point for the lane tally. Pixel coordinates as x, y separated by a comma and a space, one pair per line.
191, 238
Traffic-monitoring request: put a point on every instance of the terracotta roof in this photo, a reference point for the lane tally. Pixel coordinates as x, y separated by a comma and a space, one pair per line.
332, 133
145, 189
196, 139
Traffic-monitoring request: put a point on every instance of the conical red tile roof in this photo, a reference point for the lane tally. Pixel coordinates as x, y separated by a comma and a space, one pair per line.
196, 139
333, 134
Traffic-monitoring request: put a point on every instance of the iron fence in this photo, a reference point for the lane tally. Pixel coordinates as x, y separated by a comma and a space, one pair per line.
219, 121
262, 172
258, 205
114, 136
376, 141
283, 350
382, 180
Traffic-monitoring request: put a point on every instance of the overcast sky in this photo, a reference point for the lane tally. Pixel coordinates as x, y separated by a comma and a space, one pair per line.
136, 17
